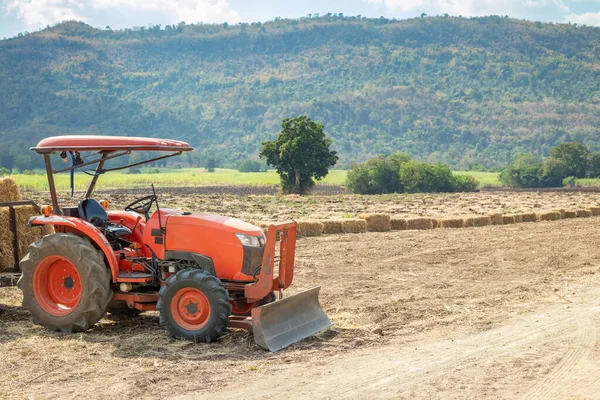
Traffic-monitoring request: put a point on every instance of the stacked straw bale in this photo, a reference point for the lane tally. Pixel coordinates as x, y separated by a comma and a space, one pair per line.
398, 224
310, 228
472, 222
332, 226
529, 217
354, 225
518, 218
496, 219
7, 261
584, 213
421, 223
562, 212
570, 214
450, 223
549, 216
595, 211
508, 219
377, 222
9, 191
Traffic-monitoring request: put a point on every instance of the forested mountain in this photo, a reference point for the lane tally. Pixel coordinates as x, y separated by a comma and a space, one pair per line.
446, 89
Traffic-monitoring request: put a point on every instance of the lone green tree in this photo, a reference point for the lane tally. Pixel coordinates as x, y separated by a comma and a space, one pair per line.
211, 164
300, 154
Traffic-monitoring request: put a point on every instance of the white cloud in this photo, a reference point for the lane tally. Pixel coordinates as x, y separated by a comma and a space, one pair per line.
531, 9
36, 14
588, 18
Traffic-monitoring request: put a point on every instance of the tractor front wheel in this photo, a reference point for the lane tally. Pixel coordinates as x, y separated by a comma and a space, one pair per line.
194, 305
65, 283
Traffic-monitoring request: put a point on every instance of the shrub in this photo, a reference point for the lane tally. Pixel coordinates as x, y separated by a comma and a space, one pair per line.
465, 183
426, 178
525, 172
569, 181
250, 166
378, 175
28, 172
135, 170
4, 171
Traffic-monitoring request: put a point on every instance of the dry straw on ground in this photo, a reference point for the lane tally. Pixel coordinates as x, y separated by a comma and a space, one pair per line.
472, 222
421, 223
570, 214
377, 222
9, 191
450, 223
310, 228
584, 213
332, 226
496, 219
508, 219
549, 216
398, 224
354, 225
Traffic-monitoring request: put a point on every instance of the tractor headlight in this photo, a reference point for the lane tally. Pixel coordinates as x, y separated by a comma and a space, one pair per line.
247, 240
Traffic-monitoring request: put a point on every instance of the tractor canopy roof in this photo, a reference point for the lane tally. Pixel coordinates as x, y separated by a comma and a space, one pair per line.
82, 143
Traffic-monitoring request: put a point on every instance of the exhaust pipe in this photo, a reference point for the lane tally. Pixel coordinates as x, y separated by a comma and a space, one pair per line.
284, 322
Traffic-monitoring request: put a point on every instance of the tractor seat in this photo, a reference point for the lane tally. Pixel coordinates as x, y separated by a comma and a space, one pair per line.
91, 211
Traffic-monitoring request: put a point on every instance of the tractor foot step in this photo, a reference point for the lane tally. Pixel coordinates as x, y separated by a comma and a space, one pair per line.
134, 277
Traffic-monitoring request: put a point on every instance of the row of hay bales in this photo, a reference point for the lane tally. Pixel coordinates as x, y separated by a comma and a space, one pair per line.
9, 191
384, 223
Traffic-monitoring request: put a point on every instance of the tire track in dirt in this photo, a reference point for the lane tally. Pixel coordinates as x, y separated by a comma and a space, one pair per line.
388, 372
560, 380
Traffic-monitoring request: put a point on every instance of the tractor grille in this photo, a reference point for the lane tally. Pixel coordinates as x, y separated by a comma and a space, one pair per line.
252, 259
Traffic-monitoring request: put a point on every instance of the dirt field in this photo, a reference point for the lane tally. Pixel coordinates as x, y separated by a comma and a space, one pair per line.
273, 208
500, 311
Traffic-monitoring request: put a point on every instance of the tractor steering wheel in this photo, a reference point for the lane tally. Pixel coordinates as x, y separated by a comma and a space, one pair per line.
142, 205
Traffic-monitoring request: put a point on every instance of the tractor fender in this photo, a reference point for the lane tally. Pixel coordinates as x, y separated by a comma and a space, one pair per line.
82, 228
203, 262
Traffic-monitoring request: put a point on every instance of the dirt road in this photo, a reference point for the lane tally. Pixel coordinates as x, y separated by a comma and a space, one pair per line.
548, 354
500, 312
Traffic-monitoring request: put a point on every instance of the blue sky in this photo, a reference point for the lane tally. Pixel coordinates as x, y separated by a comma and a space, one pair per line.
29, 15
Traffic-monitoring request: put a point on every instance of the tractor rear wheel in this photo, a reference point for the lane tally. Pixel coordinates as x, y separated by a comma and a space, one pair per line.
194, 305
120, 307
65, 283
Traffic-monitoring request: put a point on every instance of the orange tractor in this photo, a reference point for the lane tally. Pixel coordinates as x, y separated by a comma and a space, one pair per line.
203, 273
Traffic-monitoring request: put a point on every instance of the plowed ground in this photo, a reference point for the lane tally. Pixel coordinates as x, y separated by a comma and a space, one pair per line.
500, 311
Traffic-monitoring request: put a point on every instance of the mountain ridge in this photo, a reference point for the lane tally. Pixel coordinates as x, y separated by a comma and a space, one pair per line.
446, 89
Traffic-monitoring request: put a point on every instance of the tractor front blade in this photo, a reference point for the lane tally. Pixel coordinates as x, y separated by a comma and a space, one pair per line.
277, 325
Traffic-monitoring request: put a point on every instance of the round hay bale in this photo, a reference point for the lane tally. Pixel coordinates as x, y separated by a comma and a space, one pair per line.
570, 214
9, 191
528, 217
377, 222
595, 211
549, 216
310, 228
584, 213
398, 224
7, 261
332, 226
473, 222
450, 223
508, 219
421, 223
354, 225
496, 219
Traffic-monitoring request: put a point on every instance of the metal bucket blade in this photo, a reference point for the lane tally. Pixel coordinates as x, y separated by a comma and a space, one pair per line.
277, 325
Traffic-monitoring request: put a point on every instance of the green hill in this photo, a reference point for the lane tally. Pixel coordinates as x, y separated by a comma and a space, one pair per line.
444, 89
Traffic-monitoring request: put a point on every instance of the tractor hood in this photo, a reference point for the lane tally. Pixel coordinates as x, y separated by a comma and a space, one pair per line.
212, 222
